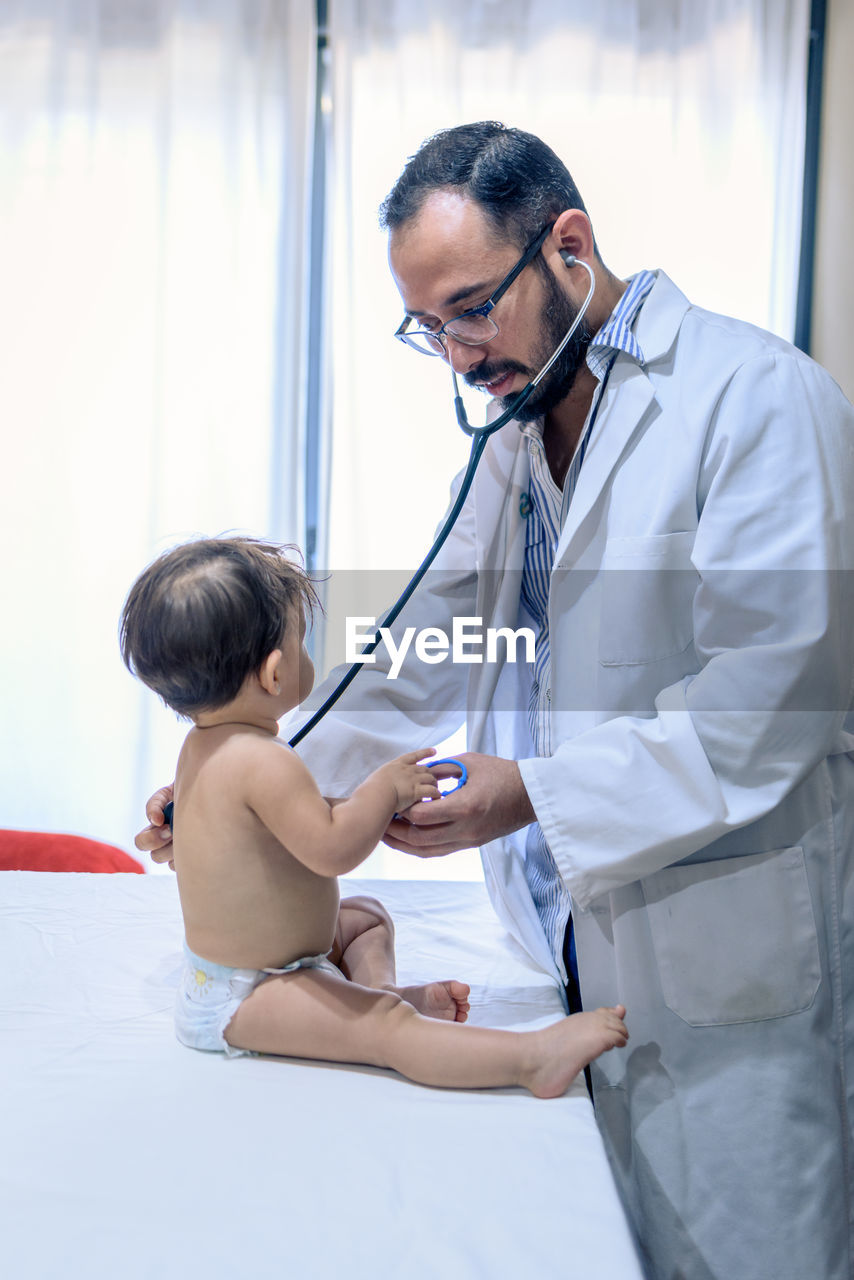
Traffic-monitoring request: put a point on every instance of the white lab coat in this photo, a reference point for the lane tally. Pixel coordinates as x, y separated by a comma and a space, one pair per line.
700, 800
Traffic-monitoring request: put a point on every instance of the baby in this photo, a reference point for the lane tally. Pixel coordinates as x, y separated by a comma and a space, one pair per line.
276, 963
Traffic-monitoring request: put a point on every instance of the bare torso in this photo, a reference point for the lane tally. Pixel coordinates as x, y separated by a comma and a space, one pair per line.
246, 900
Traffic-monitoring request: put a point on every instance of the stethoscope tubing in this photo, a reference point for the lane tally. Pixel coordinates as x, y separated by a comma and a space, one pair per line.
478, 444
479, 435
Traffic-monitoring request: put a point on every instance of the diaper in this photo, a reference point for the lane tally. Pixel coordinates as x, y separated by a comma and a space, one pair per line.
210, 994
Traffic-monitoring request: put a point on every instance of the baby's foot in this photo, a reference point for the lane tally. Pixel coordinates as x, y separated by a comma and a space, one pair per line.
446, 1000
560, 1051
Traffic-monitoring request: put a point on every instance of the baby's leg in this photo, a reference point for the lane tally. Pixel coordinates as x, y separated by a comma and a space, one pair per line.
364, 942
364, 952
315, 1014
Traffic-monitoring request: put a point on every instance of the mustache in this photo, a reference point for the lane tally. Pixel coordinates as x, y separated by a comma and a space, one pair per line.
487, 372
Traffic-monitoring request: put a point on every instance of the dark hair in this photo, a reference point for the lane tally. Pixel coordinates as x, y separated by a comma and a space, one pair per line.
519, 182
206, 614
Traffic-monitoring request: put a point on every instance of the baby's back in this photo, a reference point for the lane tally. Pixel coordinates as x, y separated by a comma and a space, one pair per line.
246, 900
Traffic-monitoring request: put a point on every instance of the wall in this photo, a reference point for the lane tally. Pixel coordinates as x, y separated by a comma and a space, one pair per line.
833, 308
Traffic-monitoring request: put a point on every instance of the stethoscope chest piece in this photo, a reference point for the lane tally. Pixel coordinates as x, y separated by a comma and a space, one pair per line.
458, 782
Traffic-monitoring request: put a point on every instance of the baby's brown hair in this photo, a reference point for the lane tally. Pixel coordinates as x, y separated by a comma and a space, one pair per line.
206, 614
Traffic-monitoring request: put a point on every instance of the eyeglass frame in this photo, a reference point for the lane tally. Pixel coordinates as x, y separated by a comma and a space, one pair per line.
483, 310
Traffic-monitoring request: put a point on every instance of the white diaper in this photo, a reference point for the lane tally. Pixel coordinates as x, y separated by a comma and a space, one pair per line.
210, 995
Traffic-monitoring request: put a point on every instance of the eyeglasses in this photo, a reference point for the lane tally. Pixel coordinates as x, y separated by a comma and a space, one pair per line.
471, 327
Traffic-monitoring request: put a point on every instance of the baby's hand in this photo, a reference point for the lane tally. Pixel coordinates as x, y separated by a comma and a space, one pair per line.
412, 781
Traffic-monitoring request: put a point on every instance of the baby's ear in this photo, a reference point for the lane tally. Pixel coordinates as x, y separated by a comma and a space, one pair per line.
268, 674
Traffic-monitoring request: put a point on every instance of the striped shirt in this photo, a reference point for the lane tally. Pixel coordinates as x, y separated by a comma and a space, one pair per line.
548, 506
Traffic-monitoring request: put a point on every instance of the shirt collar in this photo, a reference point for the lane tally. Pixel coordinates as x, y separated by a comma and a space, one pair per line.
614, 336
616, 333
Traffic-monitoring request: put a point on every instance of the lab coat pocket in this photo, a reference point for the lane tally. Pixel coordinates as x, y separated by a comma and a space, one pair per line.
735, 940
648, 587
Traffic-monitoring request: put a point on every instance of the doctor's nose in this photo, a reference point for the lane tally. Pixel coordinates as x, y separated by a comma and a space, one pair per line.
461, 356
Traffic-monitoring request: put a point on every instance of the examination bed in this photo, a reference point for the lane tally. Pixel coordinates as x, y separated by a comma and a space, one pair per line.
125, 1156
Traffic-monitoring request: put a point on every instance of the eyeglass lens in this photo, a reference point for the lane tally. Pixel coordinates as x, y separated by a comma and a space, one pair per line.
471, 328
466, 329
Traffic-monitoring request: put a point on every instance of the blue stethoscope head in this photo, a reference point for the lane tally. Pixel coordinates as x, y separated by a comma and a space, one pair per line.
458, 782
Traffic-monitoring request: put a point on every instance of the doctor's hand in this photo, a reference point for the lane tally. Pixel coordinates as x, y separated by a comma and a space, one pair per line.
492, 803
156, 839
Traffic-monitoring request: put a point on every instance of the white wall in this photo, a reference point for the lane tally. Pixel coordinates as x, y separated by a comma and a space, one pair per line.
833, 311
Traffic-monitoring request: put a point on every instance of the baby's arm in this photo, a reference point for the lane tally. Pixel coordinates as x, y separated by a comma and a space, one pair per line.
330, 839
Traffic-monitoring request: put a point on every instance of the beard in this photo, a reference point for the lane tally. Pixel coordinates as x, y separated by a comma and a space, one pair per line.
556, 317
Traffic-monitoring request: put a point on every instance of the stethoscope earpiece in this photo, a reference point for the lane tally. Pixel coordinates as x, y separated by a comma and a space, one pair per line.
569, 260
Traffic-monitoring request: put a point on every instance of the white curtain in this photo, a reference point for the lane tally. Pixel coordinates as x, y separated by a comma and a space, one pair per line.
154, 164
682, 122
154, 197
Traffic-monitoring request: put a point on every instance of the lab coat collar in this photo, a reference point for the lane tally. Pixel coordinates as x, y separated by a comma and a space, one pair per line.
660, 318
504, 473
626, 399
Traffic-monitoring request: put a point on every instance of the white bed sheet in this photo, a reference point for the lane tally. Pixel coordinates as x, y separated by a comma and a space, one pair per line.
124, 1156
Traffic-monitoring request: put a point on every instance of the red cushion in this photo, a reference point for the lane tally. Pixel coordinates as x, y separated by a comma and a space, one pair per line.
42, 851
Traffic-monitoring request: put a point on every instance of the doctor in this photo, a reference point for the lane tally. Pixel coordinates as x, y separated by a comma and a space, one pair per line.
665, 800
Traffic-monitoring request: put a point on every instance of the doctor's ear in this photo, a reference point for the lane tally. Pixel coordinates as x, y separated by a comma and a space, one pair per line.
573, 235
268, 674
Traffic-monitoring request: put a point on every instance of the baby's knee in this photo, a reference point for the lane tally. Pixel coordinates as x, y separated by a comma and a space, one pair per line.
372, 911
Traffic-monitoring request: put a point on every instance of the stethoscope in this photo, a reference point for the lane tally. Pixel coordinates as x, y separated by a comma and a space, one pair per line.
479, 435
